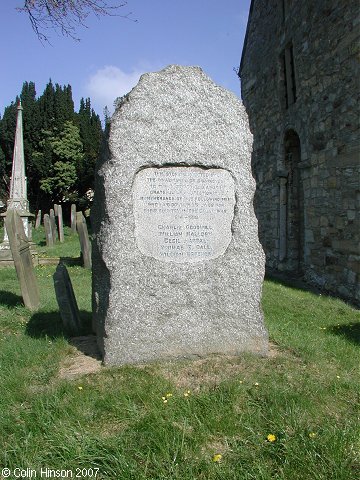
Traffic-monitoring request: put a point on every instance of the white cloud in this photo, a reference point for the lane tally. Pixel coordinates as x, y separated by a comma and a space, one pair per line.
108, 83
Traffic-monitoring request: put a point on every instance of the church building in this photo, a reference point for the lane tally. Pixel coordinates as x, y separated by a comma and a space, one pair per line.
300, 85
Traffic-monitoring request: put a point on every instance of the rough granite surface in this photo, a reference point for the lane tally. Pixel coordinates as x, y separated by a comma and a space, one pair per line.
146, 309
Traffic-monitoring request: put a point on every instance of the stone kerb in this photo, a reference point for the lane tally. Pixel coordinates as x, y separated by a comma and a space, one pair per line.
21, 254
177, 264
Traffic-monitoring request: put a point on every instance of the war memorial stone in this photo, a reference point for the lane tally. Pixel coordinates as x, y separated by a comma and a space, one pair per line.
177, 264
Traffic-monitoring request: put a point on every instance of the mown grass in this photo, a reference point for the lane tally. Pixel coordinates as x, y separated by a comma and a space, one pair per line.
306, 394
70, 248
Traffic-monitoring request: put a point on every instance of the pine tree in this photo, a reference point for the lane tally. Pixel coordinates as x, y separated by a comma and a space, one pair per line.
31, 130
47, 107
91, 135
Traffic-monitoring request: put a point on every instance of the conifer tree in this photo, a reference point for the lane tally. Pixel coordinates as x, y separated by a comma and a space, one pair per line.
61, 147
91, 136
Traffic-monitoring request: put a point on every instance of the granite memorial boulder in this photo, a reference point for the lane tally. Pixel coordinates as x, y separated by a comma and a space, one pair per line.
177, 264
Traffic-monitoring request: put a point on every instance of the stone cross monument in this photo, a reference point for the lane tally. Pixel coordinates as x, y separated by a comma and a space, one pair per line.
18, 192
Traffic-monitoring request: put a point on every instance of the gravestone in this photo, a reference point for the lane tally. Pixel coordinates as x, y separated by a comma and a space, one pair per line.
53, 224
60, 223
85, 244
21, 254
48, 231
177, 264
56, 209
73, 218
38, 220
65, 297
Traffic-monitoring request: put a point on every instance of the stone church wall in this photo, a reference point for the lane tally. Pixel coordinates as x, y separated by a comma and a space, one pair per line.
300, 85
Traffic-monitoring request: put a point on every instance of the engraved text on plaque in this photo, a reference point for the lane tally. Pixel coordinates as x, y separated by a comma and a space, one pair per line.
183, 214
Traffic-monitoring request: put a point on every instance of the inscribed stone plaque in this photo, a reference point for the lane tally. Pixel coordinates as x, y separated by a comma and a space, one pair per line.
183, 214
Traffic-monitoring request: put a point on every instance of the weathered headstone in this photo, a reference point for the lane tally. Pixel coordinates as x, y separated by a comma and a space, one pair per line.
48, 231
177, 264
53, 224
38, 220
60, 223
20, 250
56, 209
65, 297
85, 244
73, 218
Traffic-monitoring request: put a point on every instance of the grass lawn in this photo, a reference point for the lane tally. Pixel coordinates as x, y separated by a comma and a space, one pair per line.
204, 419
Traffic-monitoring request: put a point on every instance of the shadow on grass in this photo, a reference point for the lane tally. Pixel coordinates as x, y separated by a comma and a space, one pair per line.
71, 260
49, 324
297, 282
350, 332
292, 281
10, 299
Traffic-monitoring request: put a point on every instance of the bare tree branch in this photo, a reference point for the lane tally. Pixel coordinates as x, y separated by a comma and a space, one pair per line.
65, 16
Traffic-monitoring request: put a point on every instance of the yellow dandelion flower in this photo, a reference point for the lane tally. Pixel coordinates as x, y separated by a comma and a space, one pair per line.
165, 401
187, 393
256, 384
312, 434
271, 437
80, 387
168, 395
217, 458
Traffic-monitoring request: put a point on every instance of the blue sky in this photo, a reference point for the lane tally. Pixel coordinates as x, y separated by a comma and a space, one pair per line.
113, 52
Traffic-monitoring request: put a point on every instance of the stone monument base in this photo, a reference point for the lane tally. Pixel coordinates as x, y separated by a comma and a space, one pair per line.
6, 258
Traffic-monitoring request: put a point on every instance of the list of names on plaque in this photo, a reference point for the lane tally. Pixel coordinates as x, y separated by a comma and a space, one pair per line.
183, 214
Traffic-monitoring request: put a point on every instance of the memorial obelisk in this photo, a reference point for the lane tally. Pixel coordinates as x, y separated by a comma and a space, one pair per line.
18, 188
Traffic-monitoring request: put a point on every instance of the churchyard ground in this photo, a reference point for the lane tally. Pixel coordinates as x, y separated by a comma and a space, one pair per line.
293, 415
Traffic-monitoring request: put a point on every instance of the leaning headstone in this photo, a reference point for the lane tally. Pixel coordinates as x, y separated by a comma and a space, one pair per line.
177, 264
20, 250
56, 209
65, 297
38, 220
48, 231
53, 224
73, 218
85, 244
60, 223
